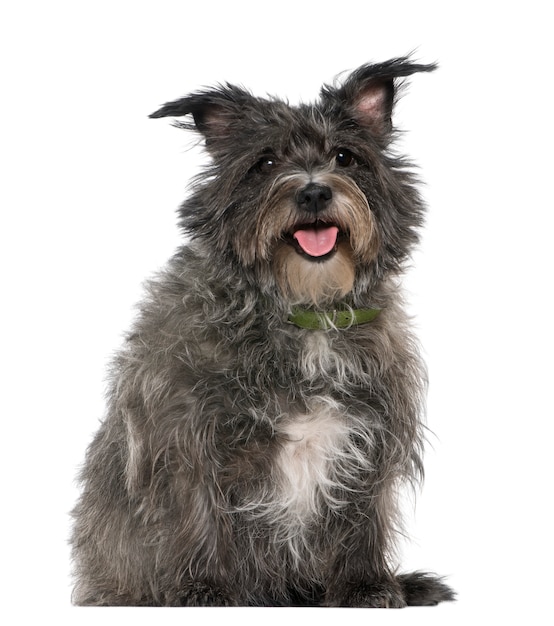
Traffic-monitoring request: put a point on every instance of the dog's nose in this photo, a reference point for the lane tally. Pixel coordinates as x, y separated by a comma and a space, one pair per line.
314, 198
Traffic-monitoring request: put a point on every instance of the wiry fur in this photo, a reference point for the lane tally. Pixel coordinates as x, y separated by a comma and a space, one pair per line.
243, 460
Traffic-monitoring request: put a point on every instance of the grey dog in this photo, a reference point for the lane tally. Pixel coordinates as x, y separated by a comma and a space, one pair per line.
266, 407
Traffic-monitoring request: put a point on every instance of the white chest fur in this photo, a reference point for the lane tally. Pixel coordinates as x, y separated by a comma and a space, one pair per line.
315, 459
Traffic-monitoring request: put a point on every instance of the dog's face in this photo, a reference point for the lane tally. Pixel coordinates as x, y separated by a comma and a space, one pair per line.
310, 193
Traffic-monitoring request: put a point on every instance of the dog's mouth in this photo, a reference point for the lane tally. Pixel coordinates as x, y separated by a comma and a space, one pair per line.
316, 241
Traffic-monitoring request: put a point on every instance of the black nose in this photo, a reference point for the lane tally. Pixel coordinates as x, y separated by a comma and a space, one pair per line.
314, 197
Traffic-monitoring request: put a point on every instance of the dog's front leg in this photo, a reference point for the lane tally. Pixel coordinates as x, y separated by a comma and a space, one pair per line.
360, 575
196, 594
379, 593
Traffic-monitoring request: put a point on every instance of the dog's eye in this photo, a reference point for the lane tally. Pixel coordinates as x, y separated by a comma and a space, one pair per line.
266, 164
344, 157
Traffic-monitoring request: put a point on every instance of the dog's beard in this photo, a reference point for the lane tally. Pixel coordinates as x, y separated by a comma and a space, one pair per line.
301, 277
303, 281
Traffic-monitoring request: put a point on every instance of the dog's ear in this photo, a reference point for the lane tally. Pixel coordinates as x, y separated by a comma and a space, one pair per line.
215, 112
369, 93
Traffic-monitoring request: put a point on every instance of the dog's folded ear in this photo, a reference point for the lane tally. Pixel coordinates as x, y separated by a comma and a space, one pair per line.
214, 111
369, 93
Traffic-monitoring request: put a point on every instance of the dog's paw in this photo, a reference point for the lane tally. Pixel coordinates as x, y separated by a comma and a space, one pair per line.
201, 594
385, 594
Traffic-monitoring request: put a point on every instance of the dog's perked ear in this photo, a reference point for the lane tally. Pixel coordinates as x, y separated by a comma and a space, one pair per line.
215, 112
369, 93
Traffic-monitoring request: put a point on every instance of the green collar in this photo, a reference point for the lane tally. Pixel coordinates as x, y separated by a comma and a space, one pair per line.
315, 320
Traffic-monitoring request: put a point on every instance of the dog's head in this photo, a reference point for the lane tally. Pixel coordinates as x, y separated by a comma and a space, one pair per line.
312, 194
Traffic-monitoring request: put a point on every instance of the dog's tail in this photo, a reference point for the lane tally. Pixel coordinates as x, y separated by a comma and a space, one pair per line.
423, 589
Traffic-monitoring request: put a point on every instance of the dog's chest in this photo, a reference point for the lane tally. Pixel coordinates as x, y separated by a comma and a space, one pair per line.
317, 356
316, 444
313, 445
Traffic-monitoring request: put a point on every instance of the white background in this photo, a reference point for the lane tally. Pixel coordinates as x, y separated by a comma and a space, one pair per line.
89, 187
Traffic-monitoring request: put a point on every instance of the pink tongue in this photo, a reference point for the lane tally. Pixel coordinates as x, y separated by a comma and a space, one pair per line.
317, 241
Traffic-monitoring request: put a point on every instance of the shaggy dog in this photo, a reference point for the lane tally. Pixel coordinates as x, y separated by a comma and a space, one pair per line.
266, 407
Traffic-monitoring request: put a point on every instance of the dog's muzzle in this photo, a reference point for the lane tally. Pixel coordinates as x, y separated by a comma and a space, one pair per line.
315, 238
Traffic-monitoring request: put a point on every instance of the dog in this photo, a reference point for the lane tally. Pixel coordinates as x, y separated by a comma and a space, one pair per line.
266, 409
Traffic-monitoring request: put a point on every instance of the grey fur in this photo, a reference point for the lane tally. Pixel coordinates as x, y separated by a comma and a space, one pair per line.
243, 460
